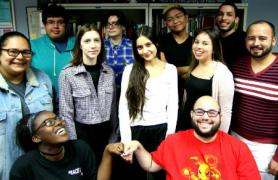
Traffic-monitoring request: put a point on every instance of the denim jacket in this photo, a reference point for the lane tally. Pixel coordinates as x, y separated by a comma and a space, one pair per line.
38, 97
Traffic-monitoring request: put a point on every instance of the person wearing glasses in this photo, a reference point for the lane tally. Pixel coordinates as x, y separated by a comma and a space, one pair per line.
118, 46
51, 155
49, 152
208, 75
53, 50
204, 152
23, 90
176, 45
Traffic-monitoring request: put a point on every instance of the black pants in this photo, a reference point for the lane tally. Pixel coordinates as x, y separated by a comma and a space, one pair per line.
150, 137
96, 136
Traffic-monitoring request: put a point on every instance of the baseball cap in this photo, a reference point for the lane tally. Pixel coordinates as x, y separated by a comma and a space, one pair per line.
173, 6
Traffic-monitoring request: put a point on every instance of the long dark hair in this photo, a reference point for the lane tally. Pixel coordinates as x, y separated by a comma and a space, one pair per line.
139, 75
217, 54
77, 59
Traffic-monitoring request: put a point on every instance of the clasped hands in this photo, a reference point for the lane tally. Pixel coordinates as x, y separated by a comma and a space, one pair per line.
125, 150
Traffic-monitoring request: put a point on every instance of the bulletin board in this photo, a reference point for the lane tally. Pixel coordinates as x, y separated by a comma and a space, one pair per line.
34, 20
7, 17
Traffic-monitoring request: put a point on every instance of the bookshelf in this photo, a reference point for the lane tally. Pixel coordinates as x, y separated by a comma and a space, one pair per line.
136, 13
200, 14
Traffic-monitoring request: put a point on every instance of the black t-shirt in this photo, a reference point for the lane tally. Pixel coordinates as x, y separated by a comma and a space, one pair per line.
234, 47
94, 71
195, 88
20, 89
176, 54
77, 164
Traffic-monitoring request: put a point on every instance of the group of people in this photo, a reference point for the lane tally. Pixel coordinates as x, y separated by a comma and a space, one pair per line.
78, 107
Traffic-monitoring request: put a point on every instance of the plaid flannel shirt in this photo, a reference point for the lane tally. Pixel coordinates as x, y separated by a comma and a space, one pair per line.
118, 57
79, 100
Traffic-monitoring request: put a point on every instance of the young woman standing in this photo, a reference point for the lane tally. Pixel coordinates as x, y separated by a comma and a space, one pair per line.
23, 90
87, 92
208, 76
149, 97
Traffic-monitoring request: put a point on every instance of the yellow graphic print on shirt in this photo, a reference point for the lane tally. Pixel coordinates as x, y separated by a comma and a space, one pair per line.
204, 170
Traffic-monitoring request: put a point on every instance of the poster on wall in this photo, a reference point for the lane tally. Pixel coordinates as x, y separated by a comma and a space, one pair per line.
34, 20
6, 16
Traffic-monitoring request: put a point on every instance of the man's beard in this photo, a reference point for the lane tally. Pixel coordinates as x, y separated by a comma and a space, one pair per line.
208, 134
232, 26
264, 53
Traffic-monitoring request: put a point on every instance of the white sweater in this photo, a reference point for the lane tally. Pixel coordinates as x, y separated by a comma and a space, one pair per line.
161, 102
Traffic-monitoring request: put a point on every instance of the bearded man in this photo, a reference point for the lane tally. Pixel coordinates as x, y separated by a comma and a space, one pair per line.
232, 37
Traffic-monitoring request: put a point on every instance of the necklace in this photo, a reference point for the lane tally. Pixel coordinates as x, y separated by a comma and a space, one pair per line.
50, 154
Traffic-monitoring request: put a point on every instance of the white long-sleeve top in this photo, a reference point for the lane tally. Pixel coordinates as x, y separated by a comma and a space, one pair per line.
161, 102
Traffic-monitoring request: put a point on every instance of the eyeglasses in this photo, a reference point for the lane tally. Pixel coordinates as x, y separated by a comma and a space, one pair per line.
15, 52
48, 123
53, 23
176, 17
210, 113
113, 24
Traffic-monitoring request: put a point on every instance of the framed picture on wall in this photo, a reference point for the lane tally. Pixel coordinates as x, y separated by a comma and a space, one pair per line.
7, 17
34, 20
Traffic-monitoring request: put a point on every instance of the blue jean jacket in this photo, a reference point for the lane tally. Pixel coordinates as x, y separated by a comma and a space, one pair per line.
38, 97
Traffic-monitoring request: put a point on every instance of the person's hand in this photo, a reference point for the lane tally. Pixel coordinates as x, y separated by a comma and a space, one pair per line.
129, 149
273, 167
115, 148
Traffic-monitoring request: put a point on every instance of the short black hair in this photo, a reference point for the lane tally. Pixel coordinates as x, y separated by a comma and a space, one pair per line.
54, 10
229, 4
121, 17
262, 22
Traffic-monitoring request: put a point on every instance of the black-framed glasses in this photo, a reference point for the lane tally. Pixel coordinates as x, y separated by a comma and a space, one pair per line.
48, 123
210, 113
112, 24
15, 52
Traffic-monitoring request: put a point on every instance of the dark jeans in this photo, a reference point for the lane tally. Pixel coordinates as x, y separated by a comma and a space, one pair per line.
96, 136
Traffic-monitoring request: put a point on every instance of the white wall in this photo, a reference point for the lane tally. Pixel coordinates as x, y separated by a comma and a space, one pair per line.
257, 9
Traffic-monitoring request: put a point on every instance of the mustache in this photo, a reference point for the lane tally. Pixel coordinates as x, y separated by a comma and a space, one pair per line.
255, 47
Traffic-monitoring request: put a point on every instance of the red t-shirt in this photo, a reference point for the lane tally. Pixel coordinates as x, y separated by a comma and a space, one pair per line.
185, 157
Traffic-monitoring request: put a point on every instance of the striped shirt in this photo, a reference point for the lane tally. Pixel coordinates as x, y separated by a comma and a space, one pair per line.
255, 115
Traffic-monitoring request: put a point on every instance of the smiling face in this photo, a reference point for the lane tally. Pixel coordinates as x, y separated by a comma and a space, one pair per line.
146, 49
226, 19
176, 20
55, 28
49, 129
260, 40
202, 48
14, 66
91, 46
206, 126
